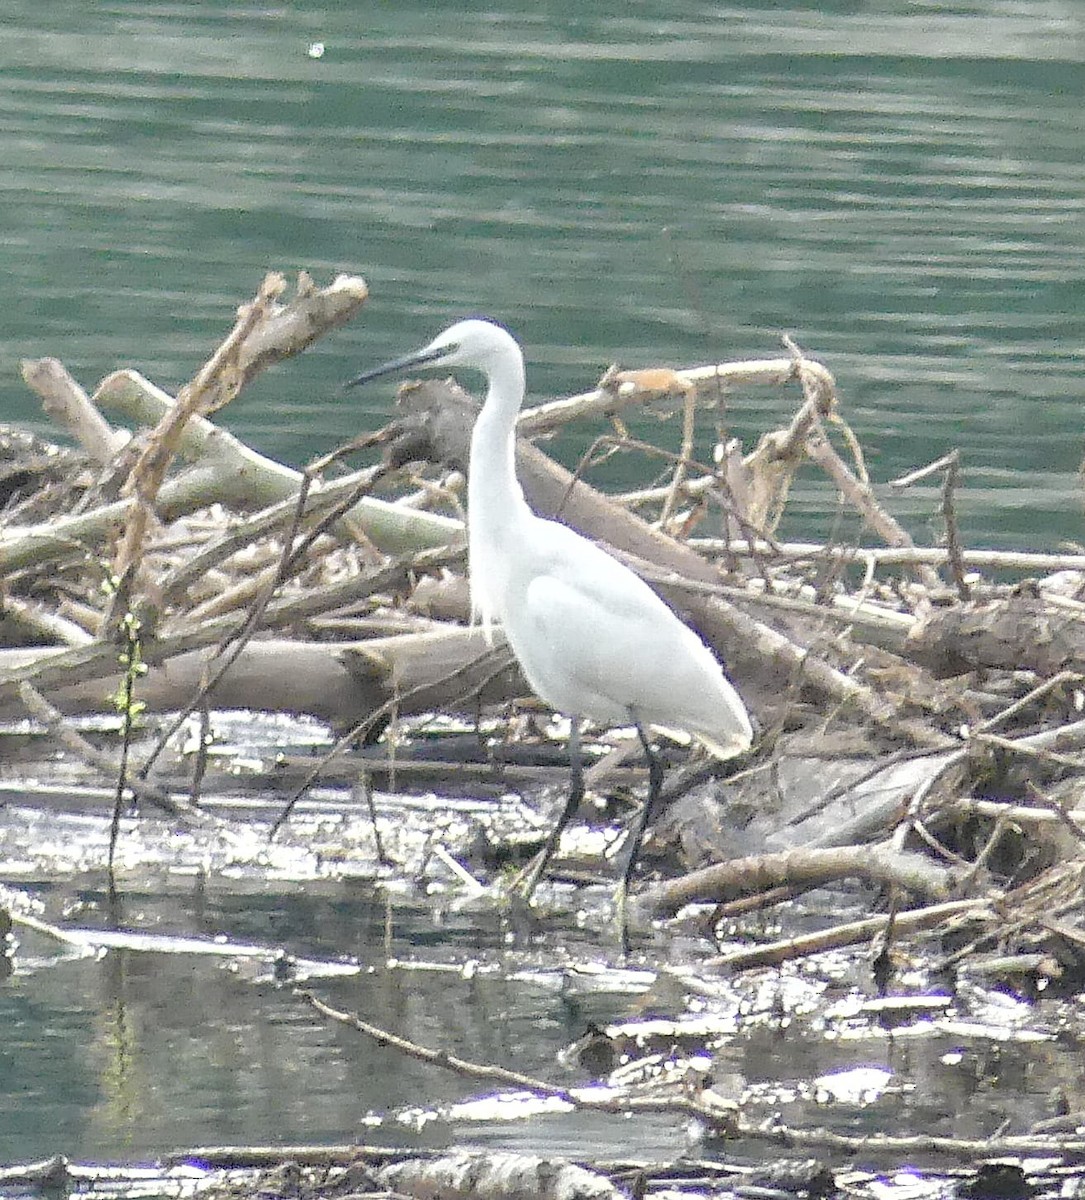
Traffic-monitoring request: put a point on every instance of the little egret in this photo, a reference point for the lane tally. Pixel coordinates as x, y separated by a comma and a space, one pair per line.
593, 639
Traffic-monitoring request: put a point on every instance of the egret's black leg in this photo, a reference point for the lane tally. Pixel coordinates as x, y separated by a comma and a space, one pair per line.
576, 794
655, 786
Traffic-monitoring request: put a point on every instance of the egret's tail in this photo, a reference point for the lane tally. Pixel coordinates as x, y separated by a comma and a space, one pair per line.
729, 746
723, 746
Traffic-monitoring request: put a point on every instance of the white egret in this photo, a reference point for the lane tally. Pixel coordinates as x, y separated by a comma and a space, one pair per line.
593, 639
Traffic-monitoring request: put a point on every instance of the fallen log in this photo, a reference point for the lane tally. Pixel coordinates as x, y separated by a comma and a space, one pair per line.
798, 869
344, 684
1025, 628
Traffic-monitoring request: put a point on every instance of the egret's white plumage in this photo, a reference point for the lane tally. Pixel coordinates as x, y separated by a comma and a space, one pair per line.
592, 637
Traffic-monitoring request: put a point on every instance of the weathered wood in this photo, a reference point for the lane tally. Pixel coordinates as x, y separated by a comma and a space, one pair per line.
798, 868
1023, 629
65, 402
341, 683
234, 473
495, 1176
618, 390
437, 420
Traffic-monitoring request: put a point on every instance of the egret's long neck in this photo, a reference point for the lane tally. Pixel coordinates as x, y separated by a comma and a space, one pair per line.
497, 513
494, 495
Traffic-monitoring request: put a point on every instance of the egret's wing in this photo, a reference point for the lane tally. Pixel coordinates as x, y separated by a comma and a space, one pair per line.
598, 579
597, 633
595, 639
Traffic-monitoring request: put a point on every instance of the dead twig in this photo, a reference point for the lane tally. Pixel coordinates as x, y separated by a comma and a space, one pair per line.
949, 518
772, 954
41, 710
215, 384
861, 496
798, 869
685, 454
484, 1072
1024, 561
886, 1147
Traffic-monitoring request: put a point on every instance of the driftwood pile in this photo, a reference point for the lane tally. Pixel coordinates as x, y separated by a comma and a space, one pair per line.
920, 708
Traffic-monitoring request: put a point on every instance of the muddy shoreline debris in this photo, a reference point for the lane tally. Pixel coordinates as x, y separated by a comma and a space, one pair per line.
893, 676
920, 708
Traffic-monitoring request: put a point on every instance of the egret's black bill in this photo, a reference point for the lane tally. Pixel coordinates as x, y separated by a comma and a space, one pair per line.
417, 359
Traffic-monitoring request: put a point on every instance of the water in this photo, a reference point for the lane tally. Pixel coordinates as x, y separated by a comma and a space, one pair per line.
125, 1056
900, 185
119, 1057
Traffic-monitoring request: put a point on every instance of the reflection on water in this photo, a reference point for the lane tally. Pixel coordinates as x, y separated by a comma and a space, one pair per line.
900, 185
130, 1056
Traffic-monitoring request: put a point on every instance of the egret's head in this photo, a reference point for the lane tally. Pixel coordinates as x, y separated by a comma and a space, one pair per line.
477, 342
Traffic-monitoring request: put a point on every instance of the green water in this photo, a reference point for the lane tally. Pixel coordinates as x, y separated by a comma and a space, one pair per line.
900, 185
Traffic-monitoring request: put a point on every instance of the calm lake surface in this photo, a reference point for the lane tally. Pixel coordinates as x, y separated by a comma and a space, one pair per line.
899, 184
